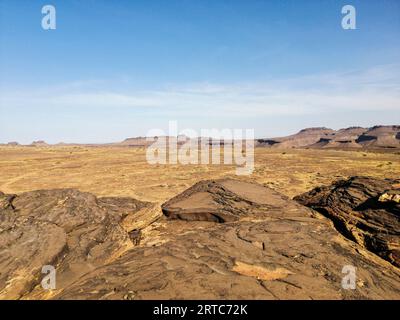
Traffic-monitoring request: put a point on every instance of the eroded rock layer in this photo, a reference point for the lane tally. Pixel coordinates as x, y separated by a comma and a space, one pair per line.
71, 230
365, 210
222, 201
268, 247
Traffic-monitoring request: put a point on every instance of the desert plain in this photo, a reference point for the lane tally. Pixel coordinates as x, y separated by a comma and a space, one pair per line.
124, 172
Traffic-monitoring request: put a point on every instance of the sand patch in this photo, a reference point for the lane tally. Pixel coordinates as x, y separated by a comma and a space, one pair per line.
260, 272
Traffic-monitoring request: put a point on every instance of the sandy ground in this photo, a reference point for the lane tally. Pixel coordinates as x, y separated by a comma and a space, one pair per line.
125, 171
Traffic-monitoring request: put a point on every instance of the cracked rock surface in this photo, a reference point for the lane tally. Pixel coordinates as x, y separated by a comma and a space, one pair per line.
70, 230
220, 239
365, 210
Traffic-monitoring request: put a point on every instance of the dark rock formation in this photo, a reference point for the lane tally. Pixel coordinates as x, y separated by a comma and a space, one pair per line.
365, 210
265, 142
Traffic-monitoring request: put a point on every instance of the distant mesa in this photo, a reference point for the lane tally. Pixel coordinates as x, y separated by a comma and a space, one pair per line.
377, 137
146, 141
13, 143
39, 143
303, 138
138, 141
381, 136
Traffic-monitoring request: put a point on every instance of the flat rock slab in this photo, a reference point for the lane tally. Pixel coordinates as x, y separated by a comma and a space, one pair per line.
223, 200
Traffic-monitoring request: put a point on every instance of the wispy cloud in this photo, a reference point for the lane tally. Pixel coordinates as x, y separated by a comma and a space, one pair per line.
374, 89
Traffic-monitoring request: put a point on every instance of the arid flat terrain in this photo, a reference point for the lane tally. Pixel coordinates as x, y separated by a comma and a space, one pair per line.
124, 172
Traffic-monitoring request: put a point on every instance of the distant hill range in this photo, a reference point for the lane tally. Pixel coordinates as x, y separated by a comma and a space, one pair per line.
377, 137
348, 138
142, 141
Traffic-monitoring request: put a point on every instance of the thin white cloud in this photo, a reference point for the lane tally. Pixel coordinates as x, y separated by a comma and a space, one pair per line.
374, 89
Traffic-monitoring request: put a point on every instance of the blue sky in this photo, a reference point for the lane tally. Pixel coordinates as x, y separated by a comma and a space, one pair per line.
116, 69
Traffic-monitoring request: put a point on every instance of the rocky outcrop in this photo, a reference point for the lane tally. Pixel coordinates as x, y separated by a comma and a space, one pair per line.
70, 230
220, 239
222, 201
365, 210
271, 248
